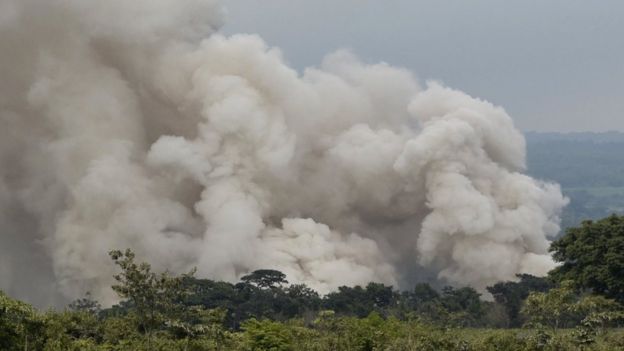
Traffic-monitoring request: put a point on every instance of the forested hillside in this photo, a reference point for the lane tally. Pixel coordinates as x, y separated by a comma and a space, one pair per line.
589, 167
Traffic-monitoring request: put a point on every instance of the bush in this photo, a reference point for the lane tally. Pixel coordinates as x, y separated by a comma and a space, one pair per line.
267, 336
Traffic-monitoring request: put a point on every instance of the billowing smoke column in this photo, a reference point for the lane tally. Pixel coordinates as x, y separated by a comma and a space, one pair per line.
135, 124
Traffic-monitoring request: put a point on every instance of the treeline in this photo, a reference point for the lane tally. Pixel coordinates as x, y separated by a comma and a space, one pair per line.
570, 309
264, 294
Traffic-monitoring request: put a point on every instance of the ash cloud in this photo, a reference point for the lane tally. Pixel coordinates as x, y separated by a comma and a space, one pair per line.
136, 124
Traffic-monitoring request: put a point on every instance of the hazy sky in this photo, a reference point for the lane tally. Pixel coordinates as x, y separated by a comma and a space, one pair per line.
555, 65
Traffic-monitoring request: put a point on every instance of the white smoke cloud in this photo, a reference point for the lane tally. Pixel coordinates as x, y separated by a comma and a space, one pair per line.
136, 124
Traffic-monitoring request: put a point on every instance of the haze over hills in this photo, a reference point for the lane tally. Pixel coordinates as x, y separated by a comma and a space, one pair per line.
604, 137
589, 167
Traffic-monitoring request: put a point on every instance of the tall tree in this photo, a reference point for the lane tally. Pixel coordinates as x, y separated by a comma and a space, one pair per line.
423, 293
21, 327
592, 257
156, 299
265, 278
511, 295
553, 309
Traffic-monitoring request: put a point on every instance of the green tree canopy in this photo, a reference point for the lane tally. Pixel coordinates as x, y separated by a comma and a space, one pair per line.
265, 278
562, 306
20, 324
154, 298
511, 295
592, 257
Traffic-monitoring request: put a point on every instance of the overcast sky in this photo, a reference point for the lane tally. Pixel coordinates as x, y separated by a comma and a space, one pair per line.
555, 65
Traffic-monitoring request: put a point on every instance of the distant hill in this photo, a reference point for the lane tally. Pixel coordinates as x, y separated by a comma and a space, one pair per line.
589, 167
605, 137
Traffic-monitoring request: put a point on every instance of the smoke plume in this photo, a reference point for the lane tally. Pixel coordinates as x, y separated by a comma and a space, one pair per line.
136, 124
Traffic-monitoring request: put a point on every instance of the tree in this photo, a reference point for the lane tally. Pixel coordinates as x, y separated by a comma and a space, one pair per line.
349, 301
424, 293
551, 309
302, 300
265, 278
72, 330
267, 335
511, 295
86, 304
464, 305
380, 295
155, 299
21, 327
592, 257
563, 307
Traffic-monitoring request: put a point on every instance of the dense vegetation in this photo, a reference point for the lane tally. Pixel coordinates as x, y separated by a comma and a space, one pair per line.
576, 308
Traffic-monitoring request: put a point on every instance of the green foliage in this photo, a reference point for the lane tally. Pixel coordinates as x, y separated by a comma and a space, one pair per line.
424, 293
85, 331
562, 306
72, 330
20, 325
86, 304
600, 313
464, 305
267, 336
592, 257
265, 278
361, 301
551, 309
183, 313
511, 295
154, 299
